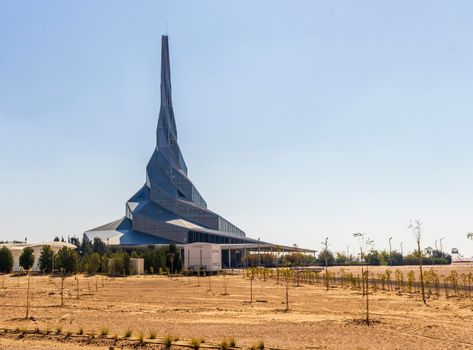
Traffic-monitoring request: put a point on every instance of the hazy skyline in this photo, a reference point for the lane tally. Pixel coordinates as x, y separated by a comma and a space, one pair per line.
327, 119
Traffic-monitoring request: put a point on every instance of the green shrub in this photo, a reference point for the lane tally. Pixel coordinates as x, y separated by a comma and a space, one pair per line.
46, 259
67, 260
105, 266
92, 263
6, 260
117, 265
27, 258
128, 333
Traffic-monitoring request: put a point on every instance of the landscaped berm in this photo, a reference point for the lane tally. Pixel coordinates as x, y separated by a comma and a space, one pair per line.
252, 308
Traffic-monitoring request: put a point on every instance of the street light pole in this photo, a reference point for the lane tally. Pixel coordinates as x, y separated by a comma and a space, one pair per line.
390, 252
402, 252
441, 246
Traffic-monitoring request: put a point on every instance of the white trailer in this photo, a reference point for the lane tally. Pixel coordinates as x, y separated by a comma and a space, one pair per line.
203, 256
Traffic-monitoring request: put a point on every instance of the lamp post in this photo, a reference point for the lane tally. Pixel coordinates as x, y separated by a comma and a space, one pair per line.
441, 246
402, 252
390, 252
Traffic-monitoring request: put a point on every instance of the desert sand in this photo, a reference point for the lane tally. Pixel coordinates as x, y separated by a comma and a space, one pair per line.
198, 307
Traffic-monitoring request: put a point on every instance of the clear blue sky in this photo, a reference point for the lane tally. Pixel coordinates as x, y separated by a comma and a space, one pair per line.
298, 119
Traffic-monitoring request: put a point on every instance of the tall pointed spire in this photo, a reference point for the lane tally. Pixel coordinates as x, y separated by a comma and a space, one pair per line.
166, 133
166, 110
165, 73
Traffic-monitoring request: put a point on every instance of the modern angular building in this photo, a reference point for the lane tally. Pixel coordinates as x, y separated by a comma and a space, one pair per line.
168, 208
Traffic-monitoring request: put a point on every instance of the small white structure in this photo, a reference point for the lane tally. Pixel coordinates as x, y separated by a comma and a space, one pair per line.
17, 249
203, 256
137, 266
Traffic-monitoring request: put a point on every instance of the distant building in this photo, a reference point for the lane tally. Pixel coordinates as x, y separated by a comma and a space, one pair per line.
17, 249
168, 208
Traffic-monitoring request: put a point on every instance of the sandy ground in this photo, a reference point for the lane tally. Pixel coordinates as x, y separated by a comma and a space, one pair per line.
317, 319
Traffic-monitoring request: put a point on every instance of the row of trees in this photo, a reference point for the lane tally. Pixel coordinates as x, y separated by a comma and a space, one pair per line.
372, 257
382, 257
65, 259
94, 257
6, 259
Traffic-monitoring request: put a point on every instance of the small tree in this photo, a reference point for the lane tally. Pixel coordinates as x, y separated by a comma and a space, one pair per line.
28, 297
364, 242
287, 295
98, 246
46, 259
27, 258
325, 254
396, 258
67, 260
373, 257
126, 263
93, 263
85, 247
6, 260
118, 264
174, 259
416, 230
105, 266
171, 260
342, 259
